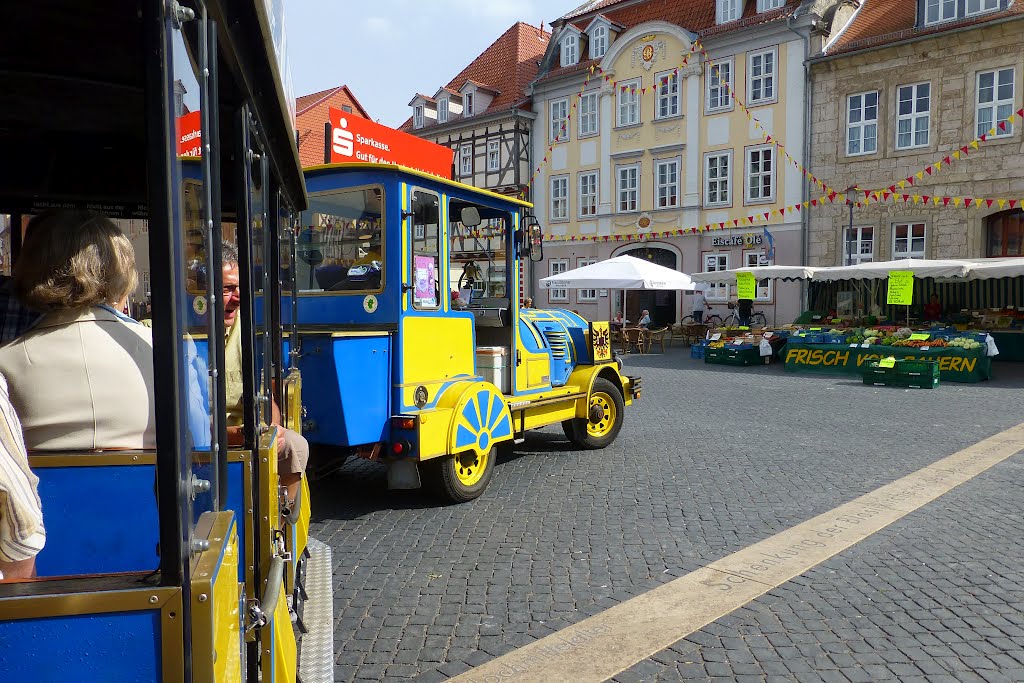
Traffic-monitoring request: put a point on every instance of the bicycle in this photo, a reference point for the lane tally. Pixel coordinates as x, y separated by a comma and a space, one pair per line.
757, 318
709, 319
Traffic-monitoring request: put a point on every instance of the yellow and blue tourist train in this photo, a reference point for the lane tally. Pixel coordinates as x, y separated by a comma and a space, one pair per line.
411, 339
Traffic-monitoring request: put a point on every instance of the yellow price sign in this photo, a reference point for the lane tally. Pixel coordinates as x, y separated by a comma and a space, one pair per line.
901, 287
889, 362
919, 336
746, 286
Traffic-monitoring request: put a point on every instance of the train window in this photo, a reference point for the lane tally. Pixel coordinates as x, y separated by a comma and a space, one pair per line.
259, 222
479, 254
340, 247
200, 311
426, 207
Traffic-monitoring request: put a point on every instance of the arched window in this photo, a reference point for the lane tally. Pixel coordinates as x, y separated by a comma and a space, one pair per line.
569, 44
598, 42
1005, 234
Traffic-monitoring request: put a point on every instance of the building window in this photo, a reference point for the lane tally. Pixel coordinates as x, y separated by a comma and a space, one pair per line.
1005, 234
979, 6
347, 108
442, 110
598, 42
860, 242
939, 10
588, 193
862, 123
147, 288
467, 104
493, 156
417, 116
666, 177
712, 263
569, 44
913, 117
628, 103
588, 114
559, 120
560, 198
760, 174
586, 295
668, 95
466, 160
908, 240
727, 10
752, 259
717, 167
765, 5
995, 101
719, 81
761, 76
557, 267
628, 187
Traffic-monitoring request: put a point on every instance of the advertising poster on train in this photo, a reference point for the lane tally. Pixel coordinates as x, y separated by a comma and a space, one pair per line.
190, 135
425, 272
355, 139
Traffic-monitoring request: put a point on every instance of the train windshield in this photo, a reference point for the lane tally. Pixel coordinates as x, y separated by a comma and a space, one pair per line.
340, 246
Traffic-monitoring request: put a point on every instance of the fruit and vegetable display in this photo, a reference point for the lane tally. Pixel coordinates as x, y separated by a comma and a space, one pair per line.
900, 337
965, 343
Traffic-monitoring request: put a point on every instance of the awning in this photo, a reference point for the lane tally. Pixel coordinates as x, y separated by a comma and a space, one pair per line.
759, 272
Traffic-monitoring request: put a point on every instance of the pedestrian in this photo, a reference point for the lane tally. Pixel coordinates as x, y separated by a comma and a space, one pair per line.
528, 302
744, 307
700, 303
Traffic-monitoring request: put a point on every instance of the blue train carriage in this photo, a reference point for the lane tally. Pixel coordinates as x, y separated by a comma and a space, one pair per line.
412, 344
177, 563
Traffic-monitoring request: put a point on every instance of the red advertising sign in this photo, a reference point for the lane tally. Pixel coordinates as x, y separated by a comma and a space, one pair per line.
356, 139
190, 135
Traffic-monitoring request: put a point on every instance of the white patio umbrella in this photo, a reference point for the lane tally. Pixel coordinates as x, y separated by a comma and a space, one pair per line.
621, 272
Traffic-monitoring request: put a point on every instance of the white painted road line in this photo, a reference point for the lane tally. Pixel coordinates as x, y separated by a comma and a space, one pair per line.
605, 644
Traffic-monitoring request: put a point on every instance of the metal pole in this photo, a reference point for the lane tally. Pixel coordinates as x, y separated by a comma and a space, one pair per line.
849, 230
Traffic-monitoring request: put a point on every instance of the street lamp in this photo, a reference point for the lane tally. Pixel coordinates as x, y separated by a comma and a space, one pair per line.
849, 229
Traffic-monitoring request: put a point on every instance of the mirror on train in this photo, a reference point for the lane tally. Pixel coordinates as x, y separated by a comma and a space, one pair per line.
470, 216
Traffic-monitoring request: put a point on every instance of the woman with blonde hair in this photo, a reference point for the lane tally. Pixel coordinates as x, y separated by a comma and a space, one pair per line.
82, 378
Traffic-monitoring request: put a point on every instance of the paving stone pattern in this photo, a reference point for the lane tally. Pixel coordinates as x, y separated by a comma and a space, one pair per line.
711, 460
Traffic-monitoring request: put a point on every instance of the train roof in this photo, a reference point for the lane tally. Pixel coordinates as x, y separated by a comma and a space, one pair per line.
394, 168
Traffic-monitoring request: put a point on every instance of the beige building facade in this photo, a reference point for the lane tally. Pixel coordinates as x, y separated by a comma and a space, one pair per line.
899, 96
651, 146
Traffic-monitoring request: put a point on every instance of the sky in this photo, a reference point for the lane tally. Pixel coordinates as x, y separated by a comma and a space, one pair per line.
388, 50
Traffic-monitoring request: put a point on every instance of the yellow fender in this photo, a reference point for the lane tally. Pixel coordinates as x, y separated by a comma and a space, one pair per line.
583, 377
480, 417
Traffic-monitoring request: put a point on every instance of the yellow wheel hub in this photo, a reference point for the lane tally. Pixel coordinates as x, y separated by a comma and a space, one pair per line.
470, 467
606, 405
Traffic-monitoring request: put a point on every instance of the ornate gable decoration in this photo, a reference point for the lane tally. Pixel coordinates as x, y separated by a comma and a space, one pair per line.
649, 51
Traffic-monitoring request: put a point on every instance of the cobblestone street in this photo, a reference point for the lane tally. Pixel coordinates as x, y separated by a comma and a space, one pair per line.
711, 460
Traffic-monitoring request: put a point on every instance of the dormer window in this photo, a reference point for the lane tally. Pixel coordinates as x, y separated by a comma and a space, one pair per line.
442, 110
570, 50
598, 42
938, 11
417, 116
467, 104
766, 5
727, 10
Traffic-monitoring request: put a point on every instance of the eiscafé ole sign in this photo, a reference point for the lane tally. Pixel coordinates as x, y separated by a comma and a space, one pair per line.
355, 139
737, 241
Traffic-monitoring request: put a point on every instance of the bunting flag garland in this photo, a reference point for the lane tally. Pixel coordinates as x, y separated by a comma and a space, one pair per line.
894, 193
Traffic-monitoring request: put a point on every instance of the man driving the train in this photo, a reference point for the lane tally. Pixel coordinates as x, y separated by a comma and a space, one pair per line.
292, 448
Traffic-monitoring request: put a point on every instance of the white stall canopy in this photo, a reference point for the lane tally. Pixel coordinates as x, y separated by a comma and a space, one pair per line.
621, 272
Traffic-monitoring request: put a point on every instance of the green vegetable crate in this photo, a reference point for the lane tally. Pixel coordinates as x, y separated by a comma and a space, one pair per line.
911, 374
733, 356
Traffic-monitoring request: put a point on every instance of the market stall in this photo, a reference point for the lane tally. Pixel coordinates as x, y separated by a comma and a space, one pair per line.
860, 297
960, 358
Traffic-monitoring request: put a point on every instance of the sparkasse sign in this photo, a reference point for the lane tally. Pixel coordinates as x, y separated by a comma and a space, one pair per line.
355, 139
190, 135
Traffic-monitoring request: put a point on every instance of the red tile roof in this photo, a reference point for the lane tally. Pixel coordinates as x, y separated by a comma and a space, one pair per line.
697, 16
311, 113
507, 67
887, 21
